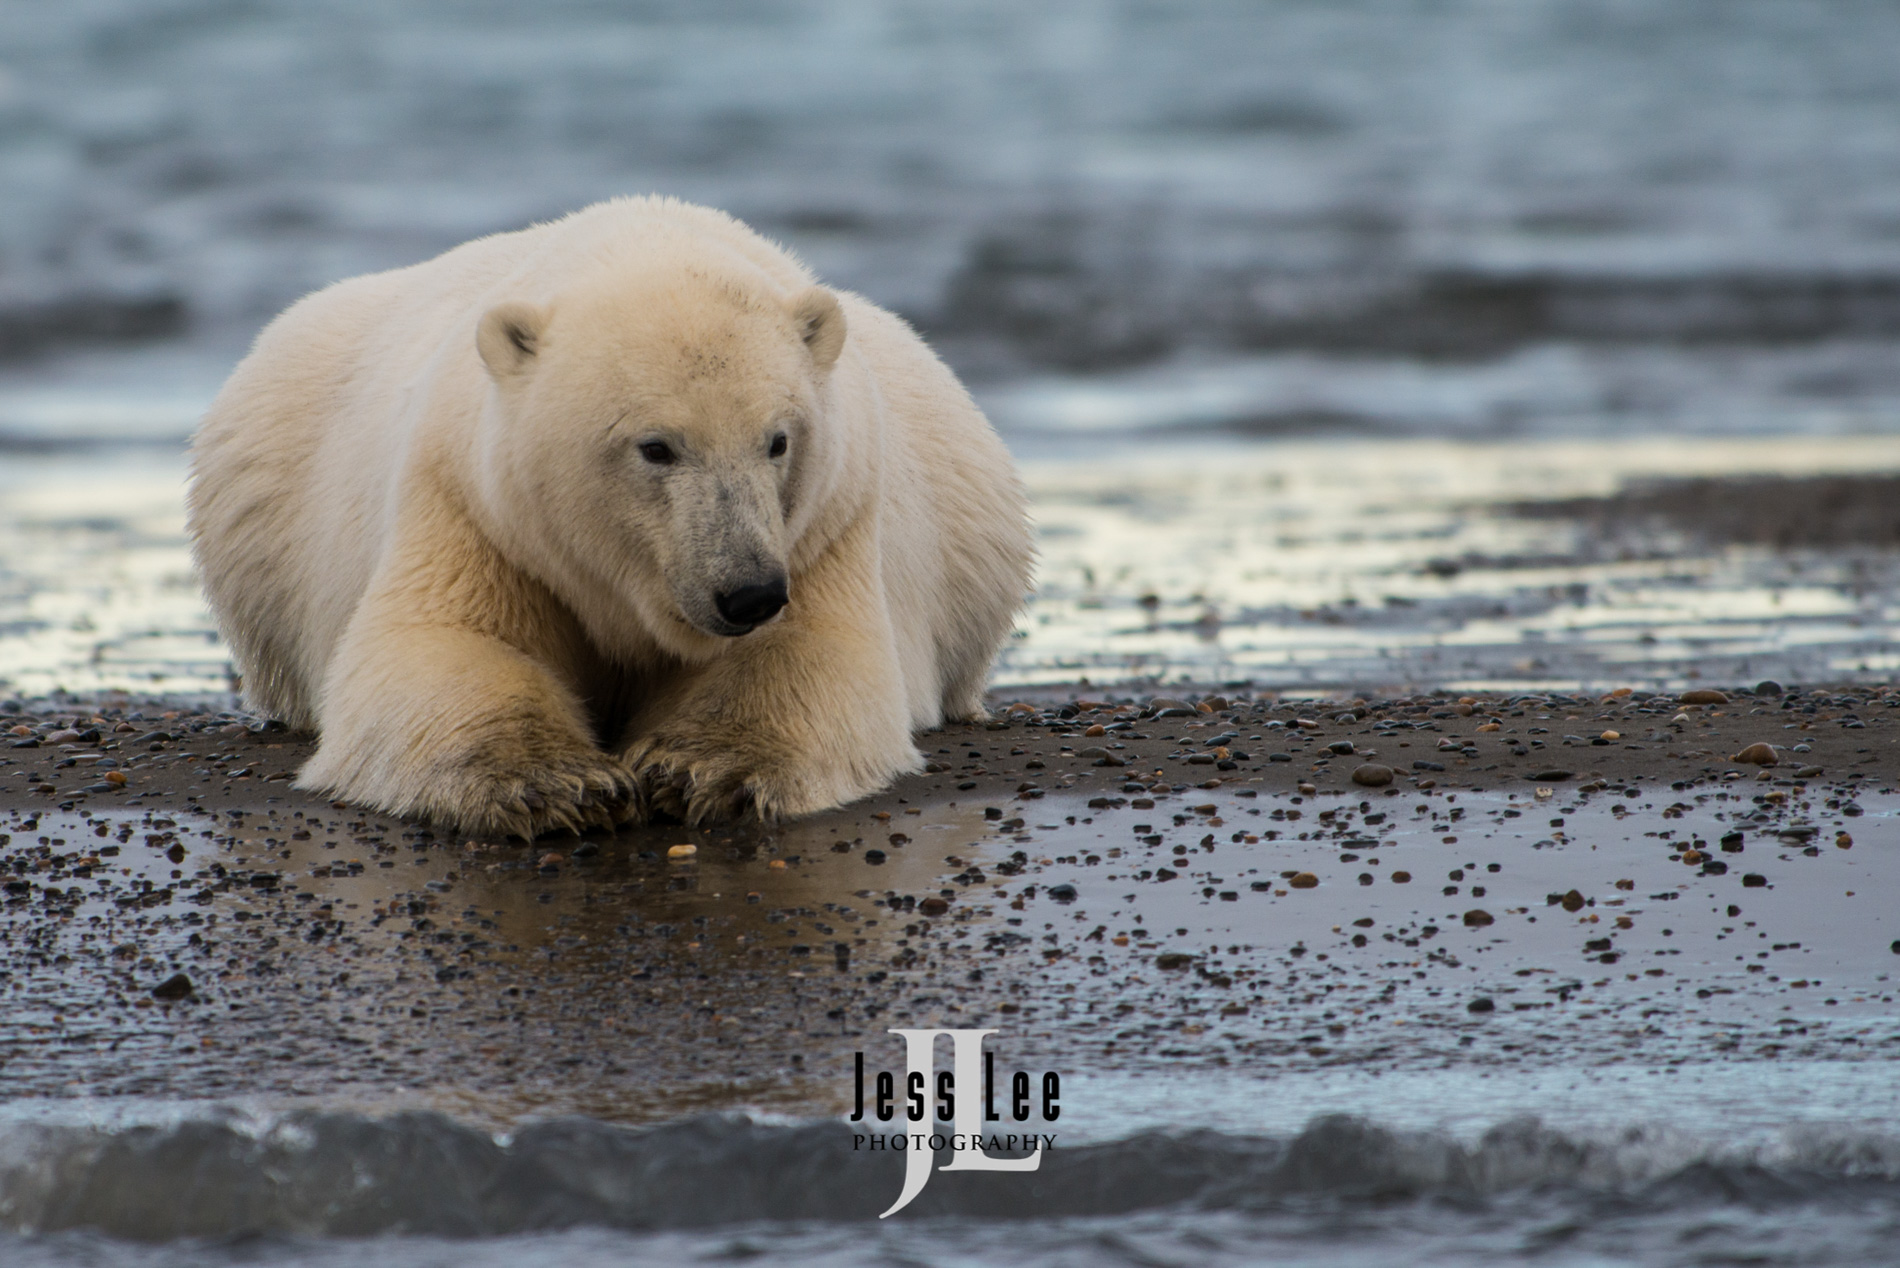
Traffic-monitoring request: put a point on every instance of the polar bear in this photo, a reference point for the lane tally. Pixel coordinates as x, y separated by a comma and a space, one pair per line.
617, 514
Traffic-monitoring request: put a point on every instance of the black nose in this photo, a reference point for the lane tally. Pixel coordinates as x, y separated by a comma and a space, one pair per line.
753, 604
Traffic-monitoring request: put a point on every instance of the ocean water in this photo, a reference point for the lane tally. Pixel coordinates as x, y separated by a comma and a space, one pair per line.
1295, 313
1382, 215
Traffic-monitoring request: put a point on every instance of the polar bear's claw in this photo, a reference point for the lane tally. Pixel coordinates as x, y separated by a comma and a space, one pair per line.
697, 782
533, 803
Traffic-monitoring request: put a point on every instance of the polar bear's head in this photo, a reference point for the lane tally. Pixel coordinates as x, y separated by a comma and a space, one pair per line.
659, 441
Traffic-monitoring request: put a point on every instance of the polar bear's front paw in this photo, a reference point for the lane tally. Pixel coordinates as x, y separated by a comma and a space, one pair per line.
574, 794
698, 780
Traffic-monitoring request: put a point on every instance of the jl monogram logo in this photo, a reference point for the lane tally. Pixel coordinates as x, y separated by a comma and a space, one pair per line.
971, 1069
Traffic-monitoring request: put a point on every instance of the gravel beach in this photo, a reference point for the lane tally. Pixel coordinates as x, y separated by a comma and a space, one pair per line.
1130, 882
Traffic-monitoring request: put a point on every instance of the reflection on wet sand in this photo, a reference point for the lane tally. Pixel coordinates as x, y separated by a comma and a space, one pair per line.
329, 953
1297, 565
361, 963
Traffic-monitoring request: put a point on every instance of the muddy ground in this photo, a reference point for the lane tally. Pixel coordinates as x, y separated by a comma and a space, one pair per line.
1121, 881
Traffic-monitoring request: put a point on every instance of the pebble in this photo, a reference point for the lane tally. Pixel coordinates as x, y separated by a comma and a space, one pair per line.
933, 907
1702, 695
1552, 776
1172, 960
873, 857
1304, 880
1307, 790
1478, 918
1758, 755
1401, 878
681, 851
1372, 775
1611, 735
175, 987
1572, 901
1340, 748
1061, 893
1481, 1004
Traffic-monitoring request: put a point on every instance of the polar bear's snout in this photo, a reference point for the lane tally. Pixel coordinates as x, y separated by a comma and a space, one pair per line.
748, 606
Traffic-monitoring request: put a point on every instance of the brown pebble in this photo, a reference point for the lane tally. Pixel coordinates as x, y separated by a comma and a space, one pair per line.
1758, 755
1401, 878
681, 851
550, 859
115, 777
1307, 790
1703, 695
1573, 901
1372, 775
1844, 840
1305, 880
933, 906
1477, 918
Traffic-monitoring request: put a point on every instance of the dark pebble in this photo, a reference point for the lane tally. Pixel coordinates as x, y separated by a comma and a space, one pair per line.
1062, 893
1551, 776
1481, 1004
177, 986
874, 857
1173, 960
1754, 880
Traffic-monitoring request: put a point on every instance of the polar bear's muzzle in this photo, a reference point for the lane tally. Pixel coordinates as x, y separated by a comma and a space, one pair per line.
747, 606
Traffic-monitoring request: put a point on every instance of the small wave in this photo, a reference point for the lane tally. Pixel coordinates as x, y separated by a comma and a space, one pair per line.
345, 1175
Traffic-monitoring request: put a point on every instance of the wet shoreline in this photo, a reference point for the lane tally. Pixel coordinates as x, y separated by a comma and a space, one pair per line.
333, 953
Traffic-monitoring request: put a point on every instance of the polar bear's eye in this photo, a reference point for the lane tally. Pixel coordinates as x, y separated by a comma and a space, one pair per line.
657, 452
778, 446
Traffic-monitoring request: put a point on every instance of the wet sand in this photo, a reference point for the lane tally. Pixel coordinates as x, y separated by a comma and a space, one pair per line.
1162, 896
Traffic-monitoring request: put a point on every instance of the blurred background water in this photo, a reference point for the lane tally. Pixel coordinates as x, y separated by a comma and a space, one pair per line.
1189, 229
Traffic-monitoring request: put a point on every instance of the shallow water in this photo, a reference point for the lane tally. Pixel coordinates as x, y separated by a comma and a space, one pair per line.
1302, 565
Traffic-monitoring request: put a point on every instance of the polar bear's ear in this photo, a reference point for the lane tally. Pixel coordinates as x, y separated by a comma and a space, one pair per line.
508, 337
820, 324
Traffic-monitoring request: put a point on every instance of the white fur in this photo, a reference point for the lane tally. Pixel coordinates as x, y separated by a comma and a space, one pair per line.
422, 514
